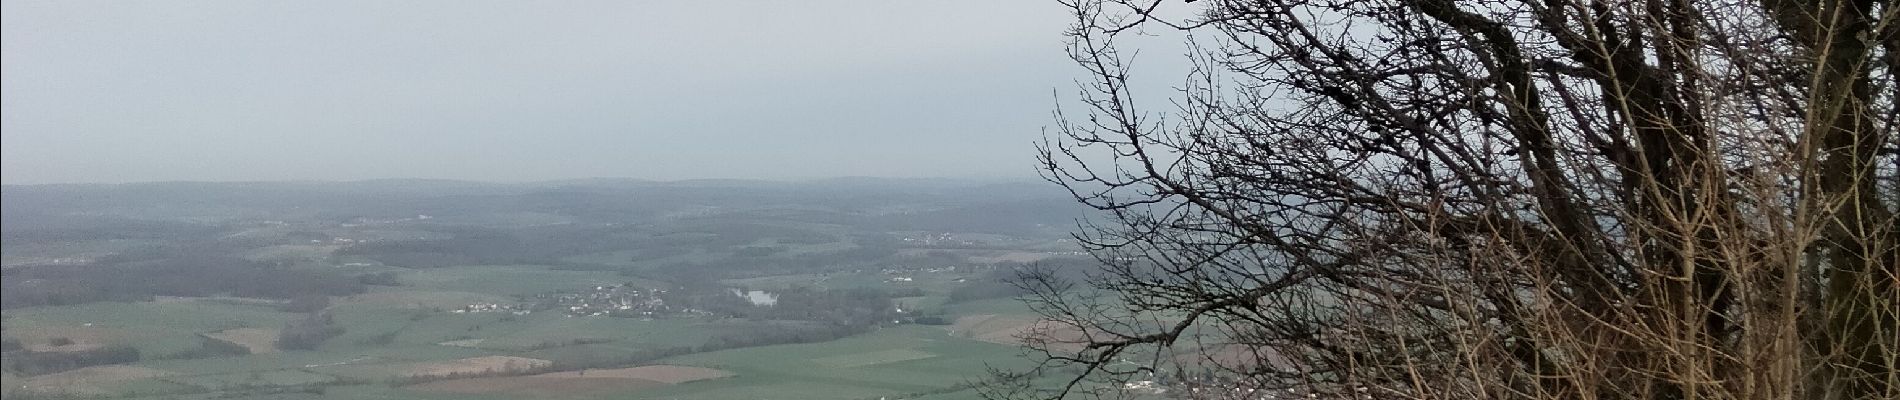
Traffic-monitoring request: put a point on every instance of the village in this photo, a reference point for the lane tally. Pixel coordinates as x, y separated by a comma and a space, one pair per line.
622, 300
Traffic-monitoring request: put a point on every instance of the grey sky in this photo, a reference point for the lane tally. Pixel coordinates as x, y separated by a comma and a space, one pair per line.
337, 90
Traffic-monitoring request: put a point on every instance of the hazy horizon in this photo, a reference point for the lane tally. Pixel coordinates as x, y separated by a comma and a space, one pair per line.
100, 92
800, 180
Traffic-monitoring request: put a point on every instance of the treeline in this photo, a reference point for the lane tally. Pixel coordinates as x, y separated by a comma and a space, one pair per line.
33, 227
858, 307
387, 278
28, 362
189, 276
728, 232
464, 247
309, 332
784, 334
208, 347
1020, 218
995, 284
605, 360
305, 304
468, 245
772, 264
764, 334
999, 282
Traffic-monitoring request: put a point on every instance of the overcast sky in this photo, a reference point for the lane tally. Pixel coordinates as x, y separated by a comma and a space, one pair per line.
125, 91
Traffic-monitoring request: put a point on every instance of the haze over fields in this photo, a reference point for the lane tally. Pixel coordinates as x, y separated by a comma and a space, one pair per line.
995, 199
500, 200
414, 289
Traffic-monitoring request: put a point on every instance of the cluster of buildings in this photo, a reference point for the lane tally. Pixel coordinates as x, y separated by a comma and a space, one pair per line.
611, 301
55, 261
925, 270
492, 307
938, 239
366, 221
910, 274
615, 301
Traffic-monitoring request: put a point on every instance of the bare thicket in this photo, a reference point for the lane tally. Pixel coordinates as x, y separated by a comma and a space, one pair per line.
1436, 199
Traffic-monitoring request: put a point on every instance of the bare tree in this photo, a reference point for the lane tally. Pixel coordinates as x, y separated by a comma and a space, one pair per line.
1436, 199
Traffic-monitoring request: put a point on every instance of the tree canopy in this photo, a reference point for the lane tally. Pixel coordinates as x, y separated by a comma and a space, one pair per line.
1434, 199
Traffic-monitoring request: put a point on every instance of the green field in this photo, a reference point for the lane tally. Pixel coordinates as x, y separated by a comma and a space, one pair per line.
156, 329
391, 331
397, 285
288, 377
15, 253
891, 362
